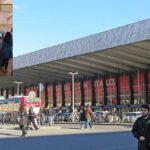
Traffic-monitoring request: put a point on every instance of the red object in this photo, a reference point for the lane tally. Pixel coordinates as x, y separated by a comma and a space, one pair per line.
50, 94
99, 91
88, 91
77, 92
111, 90
67, 92
58, 90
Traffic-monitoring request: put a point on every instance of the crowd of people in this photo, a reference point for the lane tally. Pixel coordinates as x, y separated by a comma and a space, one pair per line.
29, 120
6, 53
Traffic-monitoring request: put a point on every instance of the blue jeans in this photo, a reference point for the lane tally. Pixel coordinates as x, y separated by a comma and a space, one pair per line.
50, 120
83, 124
88, 123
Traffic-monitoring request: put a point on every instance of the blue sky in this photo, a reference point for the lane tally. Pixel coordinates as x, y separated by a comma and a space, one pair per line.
43, 23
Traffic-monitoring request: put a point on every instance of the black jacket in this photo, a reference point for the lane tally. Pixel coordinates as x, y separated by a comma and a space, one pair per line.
82, 116
141, 127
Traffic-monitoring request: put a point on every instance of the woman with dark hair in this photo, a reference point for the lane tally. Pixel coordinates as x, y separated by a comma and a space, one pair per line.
6, 52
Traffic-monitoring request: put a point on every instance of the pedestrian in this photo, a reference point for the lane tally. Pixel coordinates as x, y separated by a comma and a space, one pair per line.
141, 129
88, 116
50, 115
82, 118
31, 118
23, 119
42, 117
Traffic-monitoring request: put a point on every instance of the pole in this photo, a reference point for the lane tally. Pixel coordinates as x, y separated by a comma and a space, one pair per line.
40, 96
73, 97
18, 89
73, 113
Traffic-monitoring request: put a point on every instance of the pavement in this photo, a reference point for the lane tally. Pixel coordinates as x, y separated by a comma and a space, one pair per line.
68, 136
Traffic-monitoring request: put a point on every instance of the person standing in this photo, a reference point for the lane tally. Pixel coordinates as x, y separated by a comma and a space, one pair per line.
88, 116
23, 119
50, 115
141, 129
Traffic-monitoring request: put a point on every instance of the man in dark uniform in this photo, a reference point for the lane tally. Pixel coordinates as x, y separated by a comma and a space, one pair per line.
141, 129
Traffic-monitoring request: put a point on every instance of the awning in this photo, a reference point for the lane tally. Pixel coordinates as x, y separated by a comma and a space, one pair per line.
115, 51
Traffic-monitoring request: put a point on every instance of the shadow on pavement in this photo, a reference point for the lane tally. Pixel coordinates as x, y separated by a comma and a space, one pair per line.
88, 141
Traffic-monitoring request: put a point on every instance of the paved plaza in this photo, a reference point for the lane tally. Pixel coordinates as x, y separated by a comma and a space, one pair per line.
68, 137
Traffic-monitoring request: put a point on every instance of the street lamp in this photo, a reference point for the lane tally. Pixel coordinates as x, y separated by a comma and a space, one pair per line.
73, 74
18, 83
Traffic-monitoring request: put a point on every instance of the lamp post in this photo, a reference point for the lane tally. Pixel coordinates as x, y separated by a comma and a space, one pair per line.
18, 83
73, 74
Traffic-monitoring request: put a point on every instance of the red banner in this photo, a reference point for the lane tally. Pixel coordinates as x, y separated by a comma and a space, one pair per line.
99, 91
124, 89
138, 88
77, 93
88, 91
67, 93
111, 90
58, 90
50, 95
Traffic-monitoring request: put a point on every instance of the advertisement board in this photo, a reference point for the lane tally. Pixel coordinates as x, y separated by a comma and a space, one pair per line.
88, 91
99, 91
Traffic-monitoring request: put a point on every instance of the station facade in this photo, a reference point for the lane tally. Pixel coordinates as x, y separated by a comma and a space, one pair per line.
113, 70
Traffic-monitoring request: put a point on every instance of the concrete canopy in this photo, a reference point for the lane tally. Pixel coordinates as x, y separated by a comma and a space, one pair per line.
122, 49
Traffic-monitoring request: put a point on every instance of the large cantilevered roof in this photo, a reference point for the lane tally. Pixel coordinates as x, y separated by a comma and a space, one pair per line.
122, 49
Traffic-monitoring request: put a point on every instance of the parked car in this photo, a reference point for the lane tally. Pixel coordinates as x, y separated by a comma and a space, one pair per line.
130, 117
100, 116
105, 116
67, 117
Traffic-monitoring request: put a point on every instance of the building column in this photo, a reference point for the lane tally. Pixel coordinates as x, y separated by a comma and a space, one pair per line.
118, 89
46, 95
147, 98
105, 91
130, 86
63, 94
93, 93
54, 95
82, 93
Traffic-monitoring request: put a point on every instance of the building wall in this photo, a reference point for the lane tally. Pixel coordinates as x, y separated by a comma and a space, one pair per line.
136, 93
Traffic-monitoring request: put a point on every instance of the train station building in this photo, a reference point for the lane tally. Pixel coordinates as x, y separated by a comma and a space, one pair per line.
113, 70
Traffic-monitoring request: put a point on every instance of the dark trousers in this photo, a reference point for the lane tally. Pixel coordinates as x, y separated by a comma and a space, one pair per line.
23, 128
31, 120
143, 146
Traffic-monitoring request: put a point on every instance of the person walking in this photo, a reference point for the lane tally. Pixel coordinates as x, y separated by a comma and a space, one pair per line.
23, 119
32, 117
141, 129
82, 118
88, 116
